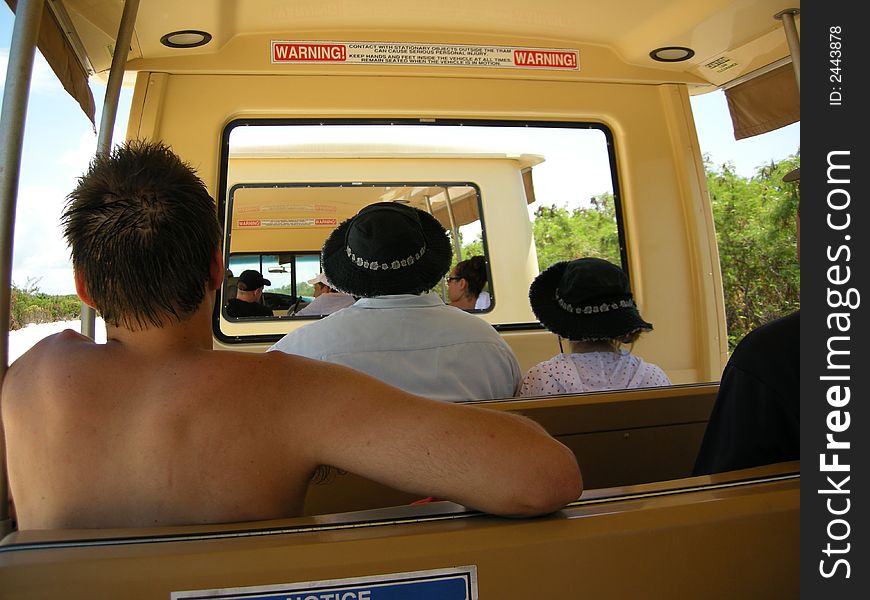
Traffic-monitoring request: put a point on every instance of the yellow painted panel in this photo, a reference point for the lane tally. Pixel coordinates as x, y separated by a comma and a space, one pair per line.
667, 221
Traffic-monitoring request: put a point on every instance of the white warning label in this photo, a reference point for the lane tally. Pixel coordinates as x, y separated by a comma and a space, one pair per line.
435, 55
303, 222
721, 64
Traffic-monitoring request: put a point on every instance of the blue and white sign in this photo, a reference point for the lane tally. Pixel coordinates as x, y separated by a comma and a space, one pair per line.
459, 583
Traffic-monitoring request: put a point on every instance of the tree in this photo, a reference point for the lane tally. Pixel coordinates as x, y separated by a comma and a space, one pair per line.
29, 305
755, 231
563, 234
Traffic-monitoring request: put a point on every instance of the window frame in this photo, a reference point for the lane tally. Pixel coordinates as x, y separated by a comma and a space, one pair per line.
223, 202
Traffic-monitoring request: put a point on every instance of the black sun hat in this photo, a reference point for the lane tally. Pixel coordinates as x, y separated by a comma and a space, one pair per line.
585, 300
387, 248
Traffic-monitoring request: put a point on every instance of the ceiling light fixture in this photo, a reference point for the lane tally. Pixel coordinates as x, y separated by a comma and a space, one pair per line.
186, 38
672, 54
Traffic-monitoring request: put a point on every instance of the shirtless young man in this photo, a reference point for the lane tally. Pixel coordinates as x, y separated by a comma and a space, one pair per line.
157, 428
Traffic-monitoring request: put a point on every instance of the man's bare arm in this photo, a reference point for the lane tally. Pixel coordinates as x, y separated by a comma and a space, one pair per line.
492, 461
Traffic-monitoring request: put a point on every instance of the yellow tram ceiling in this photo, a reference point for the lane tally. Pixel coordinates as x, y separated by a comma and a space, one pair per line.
77, 36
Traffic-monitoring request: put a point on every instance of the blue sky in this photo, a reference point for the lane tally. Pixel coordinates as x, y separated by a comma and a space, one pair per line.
59, 141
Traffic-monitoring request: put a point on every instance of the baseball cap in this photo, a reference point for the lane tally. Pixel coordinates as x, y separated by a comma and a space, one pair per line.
251, 280
321, 278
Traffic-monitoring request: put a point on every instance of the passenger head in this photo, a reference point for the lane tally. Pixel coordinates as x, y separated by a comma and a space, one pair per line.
143, 234
387, 248
466, 280
250, 285
320, 284
587, 300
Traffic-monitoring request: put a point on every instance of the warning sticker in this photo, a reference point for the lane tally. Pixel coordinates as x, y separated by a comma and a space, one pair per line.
303, 222
434, 55
317, 208
721, 64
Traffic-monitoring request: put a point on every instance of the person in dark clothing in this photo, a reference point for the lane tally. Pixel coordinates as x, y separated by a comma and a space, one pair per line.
248, 294
756, 418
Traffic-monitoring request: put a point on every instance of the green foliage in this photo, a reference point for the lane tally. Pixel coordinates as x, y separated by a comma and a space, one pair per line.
563, 234
29, 305
303, 288
473, 248
756, 234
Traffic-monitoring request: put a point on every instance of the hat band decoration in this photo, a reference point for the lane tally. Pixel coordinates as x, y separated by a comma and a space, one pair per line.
375, 265
600, 308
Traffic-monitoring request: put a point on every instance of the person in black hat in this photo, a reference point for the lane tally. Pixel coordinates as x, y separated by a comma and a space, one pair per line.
390, 255
248, 295
756, 418
588, 301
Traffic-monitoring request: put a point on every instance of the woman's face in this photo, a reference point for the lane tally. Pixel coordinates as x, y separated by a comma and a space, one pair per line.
455, 289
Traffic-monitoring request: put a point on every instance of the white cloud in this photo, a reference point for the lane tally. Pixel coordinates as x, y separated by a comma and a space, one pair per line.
76, 159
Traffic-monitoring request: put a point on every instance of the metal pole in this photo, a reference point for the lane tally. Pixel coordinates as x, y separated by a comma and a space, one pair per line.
794, 43
456, 244
110, 111
28, 14
443, 286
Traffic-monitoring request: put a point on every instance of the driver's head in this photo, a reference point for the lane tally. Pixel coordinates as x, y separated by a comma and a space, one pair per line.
250, 285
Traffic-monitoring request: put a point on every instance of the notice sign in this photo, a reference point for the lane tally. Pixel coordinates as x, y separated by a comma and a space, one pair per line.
303, 222
430, 55
459, 583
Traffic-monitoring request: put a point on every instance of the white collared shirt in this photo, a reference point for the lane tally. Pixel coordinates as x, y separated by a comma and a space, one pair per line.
416, 343
326, 304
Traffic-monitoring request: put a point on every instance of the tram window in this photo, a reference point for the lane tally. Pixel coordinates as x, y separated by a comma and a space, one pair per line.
286, 273
522, 195
297, 219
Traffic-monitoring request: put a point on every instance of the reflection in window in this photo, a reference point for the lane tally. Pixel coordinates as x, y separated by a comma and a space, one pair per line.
292, 221
286, 273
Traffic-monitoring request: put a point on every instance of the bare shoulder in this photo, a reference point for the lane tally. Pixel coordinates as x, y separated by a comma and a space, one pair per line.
48, 365
50, 353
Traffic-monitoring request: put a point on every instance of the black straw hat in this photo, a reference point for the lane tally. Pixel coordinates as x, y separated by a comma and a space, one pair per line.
585, 300
387, 248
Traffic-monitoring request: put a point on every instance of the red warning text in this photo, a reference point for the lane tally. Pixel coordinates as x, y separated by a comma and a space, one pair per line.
295, 52
544, 58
